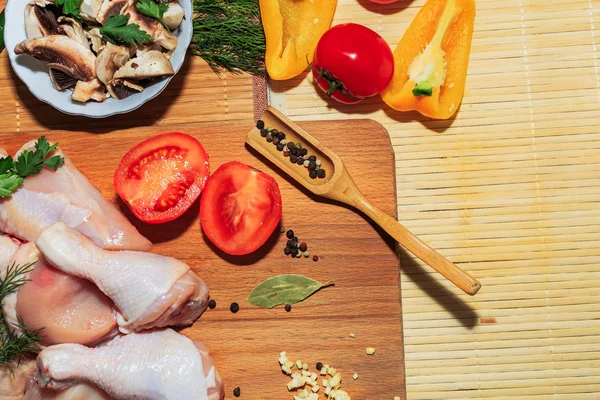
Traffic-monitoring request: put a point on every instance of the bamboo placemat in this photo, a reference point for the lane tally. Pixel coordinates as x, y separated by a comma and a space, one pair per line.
509, 191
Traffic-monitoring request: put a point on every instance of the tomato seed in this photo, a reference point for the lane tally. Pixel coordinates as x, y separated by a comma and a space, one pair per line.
158, 154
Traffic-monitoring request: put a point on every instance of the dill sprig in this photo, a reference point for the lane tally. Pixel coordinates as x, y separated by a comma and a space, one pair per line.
228, 35
15, 346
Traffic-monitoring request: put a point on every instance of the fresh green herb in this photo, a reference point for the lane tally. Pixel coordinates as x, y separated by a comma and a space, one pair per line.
2, 20
28, 163
154, 10
116, 30
229, 36
424, 88
284, 289
15, 346
70, 7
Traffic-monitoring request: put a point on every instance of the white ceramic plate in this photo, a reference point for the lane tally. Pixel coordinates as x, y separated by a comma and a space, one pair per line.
35, 74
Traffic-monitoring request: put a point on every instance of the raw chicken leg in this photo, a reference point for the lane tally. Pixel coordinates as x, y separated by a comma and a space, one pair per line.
70, 309
154, 365
81, 391
13, 387
149, 290
66, 195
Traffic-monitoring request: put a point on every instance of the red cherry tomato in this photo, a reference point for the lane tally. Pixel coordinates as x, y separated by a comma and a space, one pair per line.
161, 177
240, 208
352, 62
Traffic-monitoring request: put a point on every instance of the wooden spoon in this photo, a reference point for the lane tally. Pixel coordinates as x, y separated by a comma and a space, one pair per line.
338, 185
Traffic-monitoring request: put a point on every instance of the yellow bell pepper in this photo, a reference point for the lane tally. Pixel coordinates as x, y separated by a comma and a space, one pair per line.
293, 29
432, 59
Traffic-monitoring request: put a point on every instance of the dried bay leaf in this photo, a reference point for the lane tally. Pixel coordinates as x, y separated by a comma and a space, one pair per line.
285, 289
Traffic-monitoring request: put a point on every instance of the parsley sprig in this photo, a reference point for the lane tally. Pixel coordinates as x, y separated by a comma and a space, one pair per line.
70, 7
117, 30
12, 172
154, 10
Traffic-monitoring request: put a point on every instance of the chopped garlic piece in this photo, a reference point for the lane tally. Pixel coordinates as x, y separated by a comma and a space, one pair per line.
313, 396
305, 366
313, 376
315, 388
299, 364
331, 371
282, 358
352, 335
327, 390
396, 397
325, 383
336, 380
370, 351
286, 369
323, 371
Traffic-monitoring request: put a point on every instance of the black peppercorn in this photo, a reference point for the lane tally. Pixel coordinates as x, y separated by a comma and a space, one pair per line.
319, 366
294, 252
260, 124
291, 145
280, 147
295, 239
264, 132
303, 152
293, 158
287, 251
269, 138
312, 173
234, 307
288, 308
312, 165
312, 158
300, 161
321, 173
281, 135
295, 152
290, 234
315, 258
275, 141
237, 392
303, 247
212, 304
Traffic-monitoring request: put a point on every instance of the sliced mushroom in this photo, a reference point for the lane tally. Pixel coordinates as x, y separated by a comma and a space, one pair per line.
173, 16
60, 80
74, 30
152, 26
86, 91
109, 60
110, 8
152, 64
89, 9
96, 39
39, 21
61, 53
121, 89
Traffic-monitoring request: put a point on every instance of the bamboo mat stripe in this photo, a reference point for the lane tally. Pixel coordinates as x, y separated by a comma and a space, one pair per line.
508, 190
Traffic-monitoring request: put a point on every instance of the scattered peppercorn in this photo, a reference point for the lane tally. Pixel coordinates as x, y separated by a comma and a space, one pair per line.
315, 258
321, 173
264, 132
234, 307
306, 254
312, 158
303, 152
276, 141
286, 153
290, 234
280, 147
212, 304
260, 124
269, 138
300, 161
294, 252
295, 152
288, 308
312, 165
303, 246
237, 392
293, 158
291, 145
287, 251
312, 173
319, 365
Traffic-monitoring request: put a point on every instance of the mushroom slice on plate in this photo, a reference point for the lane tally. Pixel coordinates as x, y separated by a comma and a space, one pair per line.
73, 29
109, 60
63, 54
96, 39
86, 91
152, 26
60, 80
89, 9
173, 16
152, 64
39, 20
110, 8
121, 89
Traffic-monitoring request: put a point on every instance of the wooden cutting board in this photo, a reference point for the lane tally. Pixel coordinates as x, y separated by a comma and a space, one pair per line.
358, 257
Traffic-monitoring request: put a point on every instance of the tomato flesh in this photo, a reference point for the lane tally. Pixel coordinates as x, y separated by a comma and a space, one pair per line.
240, 208
161, 177
357, 58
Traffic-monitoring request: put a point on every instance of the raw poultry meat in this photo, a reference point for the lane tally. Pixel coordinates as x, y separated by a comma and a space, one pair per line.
80, 391
70, 309
154, 365
148, 290
66, 195
12, 387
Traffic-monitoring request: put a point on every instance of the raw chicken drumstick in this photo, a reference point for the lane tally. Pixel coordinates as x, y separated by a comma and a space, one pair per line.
146, 366
66, 195
148, 290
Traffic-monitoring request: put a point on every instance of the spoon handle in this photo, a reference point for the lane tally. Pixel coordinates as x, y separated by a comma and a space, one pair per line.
454, 274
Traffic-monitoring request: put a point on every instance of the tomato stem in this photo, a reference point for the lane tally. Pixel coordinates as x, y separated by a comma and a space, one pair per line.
334, 83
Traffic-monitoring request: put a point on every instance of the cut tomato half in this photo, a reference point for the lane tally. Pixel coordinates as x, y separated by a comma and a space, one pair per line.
161, 177
240, 208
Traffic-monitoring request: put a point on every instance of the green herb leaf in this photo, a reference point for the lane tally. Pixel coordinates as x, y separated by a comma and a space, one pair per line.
31, 162
14, 278
70, 7
2, 20
54, 162
15, 347
116, 30
6, 164
152, 9
423, 89
9, 183
284, 289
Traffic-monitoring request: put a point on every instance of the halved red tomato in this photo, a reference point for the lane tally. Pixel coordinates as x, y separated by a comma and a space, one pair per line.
240, 208
161, 177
